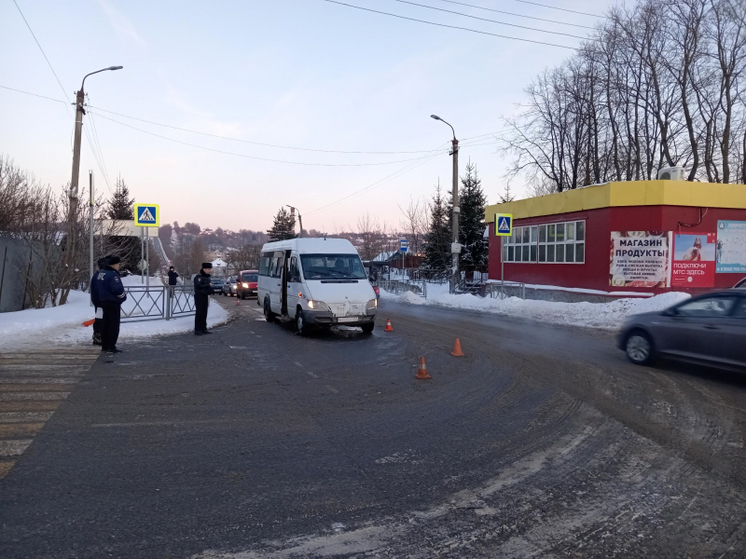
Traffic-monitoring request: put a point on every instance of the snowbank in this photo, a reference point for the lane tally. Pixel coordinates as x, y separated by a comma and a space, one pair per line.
61, 326
607, 316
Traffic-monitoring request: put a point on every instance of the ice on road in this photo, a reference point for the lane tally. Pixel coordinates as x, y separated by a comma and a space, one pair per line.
607, 316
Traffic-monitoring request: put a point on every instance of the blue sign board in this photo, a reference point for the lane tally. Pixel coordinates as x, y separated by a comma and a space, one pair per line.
503, 225
730, 247
147, 215
404, 245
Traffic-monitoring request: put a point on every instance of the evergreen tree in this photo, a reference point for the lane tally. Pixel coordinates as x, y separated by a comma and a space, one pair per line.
283, 227
471, 222
121, 206
438, 238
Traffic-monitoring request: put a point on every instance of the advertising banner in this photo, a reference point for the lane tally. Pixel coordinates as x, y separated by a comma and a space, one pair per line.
639, 259
693, 260
730, 247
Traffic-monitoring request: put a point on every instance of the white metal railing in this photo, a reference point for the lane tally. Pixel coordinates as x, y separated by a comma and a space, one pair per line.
157, 302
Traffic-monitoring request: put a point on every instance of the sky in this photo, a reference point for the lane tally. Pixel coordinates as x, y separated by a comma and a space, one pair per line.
312, 75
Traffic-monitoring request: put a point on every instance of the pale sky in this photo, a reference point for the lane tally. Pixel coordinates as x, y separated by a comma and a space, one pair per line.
300, 73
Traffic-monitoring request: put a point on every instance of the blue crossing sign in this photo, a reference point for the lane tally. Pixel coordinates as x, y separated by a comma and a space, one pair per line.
503, 225
404, 245
147, 215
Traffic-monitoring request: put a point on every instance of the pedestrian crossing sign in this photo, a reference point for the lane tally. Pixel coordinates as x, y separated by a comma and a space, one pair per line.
503, 225
147, 215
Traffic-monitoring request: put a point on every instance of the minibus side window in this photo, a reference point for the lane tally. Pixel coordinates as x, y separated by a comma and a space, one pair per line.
293, 271
265, 263
276, 269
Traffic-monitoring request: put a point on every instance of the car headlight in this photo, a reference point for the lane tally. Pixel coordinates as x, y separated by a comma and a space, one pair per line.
372, 304
245, 285
318, 305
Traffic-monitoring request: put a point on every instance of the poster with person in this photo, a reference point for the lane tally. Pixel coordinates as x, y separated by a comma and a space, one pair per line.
693, 260
730, 247
639, 259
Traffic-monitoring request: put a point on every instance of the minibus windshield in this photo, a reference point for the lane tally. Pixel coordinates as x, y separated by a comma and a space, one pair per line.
332, 266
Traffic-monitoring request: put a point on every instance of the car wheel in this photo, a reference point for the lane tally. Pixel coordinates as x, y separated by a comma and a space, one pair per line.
639, 347
269, 316
300, 323
368, 328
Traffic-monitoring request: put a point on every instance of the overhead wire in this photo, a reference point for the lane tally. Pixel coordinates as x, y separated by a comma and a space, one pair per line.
492, 20
559, 9
98, 157
498, 35
536, 18
255, 157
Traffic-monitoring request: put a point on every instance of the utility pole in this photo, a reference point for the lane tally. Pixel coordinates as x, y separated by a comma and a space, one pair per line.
73, 194
300, 219
455, 246
90, 221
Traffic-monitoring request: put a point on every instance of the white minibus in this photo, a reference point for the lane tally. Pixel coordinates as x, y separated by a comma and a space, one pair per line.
316, 282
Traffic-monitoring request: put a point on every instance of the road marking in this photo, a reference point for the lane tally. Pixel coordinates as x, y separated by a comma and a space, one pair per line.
312, 375
24, 416
237, 346
5, 468
20, 429
257, 335
29, 406
32, 396
31, 385
332, 389
13, 448
299, 364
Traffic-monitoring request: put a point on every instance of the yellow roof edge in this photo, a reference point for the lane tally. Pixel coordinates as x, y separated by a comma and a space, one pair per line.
620, 194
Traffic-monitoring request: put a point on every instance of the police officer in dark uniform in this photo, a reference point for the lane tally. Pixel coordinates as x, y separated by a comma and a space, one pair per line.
110, 294
202, 291
99, 320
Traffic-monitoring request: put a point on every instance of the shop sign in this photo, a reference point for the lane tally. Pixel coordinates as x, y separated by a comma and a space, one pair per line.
639, 259
693, 260
730, 247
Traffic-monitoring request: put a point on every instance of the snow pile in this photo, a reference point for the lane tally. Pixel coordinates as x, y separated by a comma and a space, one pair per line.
61, 326
608, 316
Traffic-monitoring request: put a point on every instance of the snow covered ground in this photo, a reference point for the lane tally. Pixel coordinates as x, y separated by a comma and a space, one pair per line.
61, 326
607, 316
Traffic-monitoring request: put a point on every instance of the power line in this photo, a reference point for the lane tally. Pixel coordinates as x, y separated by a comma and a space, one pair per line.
450, 26
263, 158
62, 88
260, 143
463, 141
560, 9
517, 15
376, 184
491, 20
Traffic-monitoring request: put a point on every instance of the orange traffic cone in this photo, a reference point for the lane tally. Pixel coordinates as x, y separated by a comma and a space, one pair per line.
89, 322
457, 349
422, 371
388, 328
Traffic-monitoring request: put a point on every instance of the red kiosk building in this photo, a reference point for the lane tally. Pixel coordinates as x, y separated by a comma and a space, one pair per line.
625, 238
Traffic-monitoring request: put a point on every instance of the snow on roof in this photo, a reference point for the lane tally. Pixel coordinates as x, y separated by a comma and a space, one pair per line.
312, 245
219, 263
385, 256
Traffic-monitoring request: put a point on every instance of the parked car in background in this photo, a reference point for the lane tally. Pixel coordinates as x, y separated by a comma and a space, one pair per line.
708, 329
229, 288
247, 283
217, 285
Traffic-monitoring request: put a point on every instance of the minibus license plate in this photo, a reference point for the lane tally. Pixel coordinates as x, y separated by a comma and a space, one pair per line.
348, 319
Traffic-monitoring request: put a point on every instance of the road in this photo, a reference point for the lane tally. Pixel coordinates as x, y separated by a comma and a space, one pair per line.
255, 442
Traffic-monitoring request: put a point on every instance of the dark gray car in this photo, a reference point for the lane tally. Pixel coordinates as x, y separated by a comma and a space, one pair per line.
710, 328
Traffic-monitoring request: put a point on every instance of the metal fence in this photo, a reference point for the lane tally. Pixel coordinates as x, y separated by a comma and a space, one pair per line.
402, 286
493, 290
505, 289
157, 302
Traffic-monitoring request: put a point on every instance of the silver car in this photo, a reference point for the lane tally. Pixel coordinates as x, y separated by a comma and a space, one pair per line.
708, 329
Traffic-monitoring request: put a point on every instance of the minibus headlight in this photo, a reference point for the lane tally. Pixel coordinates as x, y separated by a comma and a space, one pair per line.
318, 305
372, 304
245, 285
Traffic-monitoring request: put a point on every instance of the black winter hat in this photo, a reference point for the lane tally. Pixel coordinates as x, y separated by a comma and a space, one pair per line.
207, 265
112, 259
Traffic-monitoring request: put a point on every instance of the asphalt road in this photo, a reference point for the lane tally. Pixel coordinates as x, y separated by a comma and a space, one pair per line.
254, 442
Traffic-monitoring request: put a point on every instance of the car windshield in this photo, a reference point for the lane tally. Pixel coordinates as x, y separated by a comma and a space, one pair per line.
332, 266
249, 277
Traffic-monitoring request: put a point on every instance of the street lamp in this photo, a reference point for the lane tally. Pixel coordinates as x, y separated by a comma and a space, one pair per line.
79, 112
300, 219
455, 247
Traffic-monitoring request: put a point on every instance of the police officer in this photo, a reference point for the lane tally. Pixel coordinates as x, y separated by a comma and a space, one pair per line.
110, 293
202, 291
99, 318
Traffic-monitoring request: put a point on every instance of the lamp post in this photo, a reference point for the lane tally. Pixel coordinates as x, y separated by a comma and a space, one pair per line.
79, 112
300, 219
455, 248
